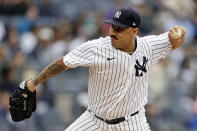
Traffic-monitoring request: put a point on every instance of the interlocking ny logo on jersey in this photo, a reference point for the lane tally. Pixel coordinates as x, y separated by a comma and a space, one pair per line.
141, 68
117, 15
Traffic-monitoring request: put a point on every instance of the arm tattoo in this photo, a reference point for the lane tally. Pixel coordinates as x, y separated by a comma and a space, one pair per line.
51, 70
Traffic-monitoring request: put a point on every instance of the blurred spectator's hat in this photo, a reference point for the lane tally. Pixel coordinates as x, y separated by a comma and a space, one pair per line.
28, 42
46, 34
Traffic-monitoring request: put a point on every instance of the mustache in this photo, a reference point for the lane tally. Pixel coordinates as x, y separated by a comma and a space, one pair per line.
113, 36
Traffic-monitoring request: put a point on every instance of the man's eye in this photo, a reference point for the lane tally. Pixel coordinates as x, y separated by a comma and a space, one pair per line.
119, 30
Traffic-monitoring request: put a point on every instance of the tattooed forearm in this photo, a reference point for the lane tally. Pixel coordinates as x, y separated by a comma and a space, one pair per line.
51, 70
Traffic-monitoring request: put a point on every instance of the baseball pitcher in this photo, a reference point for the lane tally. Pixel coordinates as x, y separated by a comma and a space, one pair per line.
119, 67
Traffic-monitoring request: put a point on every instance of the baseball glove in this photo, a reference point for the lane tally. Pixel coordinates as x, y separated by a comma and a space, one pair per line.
22, 103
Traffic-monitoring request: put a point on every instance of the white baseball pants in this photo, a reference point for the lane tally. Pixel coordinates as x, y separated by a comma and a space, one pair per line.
88, 122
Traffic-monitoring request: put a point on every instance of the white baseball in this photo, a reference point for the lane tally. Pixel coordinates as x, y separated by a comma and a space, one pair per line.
176, 34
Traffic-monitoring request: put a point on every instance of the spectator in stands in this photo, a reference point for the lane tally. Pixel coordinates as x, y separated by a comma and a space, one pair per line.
27, 23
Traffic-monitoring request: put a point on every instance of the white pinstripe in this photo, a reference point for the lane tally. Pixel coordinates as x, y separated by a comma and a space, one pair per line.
114, 89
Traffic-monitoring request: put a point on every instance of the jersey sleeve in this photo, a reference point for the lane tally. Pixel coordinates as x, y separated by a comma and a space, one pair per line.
81, 56
160, 46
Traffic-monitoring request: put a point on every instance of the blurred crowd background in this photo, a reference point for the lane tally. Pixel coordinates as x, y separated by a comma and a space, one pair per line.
33, 33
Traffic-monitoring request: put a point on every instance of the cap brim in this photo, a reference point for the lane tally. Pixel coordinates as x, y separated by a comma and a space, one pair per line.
115, 23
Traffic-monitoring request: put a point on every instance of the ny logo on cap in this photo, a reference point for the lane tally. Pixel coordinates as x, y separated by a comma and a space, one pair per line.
117, 15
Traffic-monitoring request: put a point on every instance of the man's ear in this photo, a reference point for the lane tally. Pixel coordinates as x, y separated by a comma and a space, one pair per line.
136, 30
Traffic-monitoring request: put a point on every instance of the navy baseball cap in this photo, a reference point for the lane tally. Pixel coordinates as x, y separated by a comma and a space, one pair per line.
125, 17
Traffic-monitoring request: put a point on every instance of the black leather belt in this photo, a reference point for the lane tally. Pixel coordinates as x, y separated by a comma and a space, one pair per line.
115, 121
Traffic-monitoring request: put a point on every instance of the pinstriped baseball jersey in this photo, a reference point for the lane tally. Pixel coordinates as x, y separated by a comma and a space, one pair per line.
118, 81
